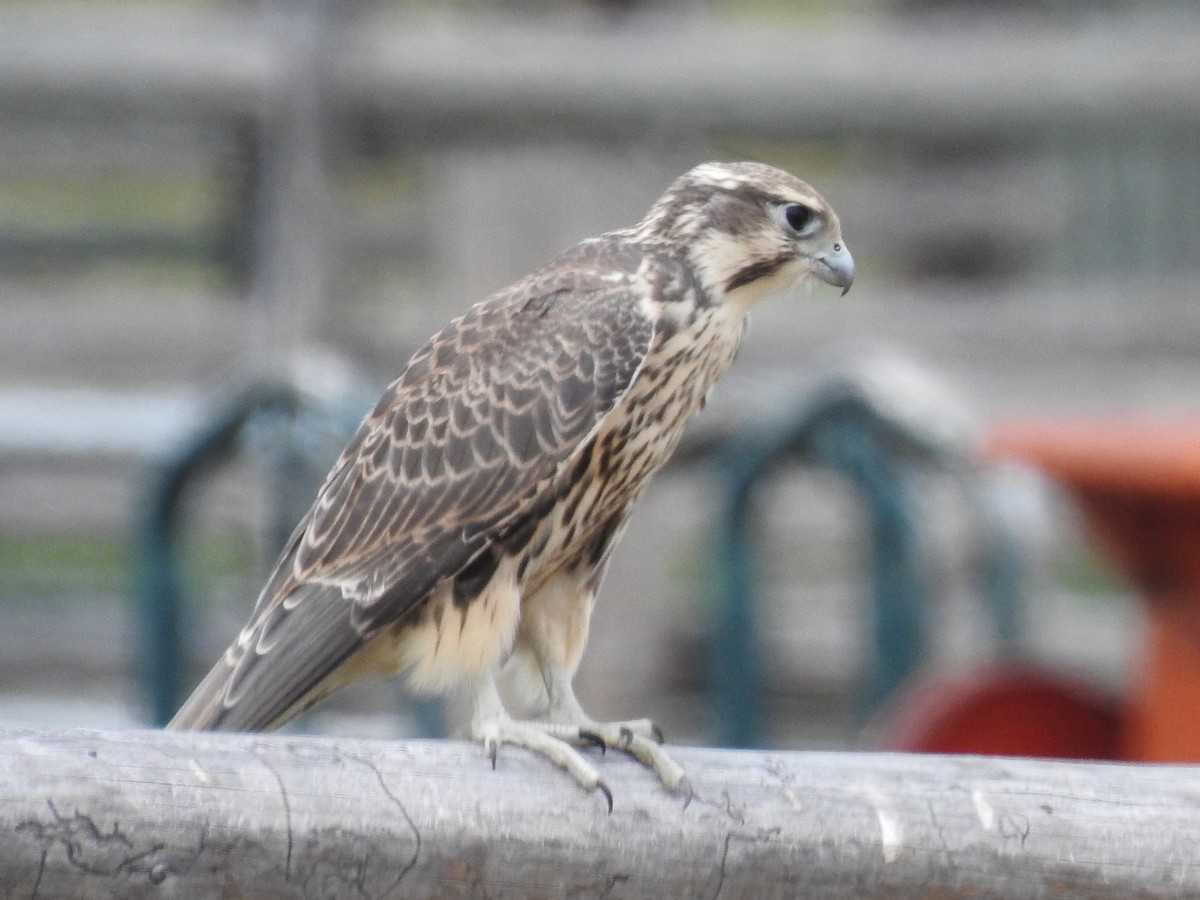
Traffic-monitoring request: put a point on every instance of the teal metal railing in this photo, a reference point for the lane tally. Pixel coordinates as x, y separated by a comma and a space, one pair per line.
161, 646
845, 428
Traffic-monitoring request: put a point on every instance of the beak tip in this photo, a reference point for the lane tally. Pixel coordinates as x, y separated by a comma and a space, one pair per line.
837, 268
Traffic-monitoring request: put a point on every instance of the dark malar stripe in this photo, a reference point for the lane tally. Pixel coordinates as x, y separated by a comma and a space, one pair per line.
755, 271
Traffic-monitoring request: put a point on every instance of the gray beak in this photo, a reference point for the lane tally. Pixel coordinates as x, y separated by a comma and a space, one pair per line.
837, 267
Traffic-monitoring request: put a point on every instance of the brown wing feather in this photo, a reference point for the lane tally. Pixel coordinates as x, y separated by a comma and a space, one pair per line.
467, 441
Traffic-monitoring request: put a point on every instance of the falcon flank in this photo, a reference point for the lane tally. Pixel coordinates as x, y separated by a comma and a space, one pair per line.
464, 531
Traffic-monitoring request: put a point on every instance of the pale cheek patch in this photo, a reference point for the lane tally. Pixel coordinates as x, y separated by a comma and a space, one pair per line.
717, 258
789, 277
720, 258
453, 643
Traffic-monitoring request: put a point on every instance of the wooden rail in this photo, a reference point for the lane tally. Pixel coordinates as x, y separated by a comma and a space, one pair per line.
143, 814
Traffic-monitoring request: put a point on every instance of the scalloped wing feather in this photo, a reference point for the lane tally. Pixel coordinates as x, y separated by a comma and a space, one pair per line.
465, 443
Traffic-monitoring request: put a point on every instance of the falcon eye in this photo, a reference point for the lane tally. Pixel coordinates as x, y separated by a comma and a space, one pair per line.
799, 217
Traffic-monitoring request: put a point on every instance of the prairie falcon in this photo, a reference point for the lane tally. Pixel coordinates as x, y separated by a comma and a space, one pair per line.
465, 529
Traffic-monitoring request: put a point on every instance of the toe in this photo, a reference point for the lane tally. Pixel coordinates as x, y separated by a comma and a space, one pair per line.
537, 738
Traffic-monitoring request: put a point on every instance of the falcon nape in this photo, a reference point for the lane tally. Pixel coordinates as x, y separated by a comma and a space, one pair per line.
464, 531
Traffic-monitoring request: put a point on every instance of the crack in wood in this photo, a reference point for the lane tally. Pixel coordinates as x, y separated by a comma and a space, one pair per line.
383, 786
86, 847
287, 812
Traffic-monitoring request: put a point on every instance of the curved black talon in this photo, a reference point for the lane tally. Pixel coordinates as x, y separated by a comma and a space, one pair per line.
493, 752
593, 739
603, 788
657, 733
685, 787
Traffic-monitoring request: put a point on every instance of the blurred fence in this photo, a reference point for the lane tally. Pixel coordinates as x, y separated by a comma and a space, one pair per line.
457, 78
1116, 100
1020, 145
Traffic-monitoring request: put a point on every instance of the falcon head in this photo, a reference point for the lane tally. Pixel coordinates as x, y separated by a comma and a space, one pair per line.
751, 230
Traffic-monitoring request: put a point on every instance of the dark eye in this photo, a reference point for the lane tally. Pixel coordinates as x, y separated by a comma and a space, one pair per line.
798, 216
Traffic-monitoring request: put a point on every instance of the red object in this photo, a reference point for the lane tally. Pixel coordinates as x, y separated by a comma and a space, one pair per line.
1137, 479
1010, 711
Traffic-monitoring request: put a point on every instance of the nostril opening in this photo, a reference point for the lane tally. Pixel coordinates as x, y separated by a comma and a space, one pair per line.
837, 248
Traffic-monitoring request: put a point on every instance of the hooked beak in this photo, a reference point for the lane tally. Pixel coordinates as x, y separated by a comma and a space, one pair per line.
836, 267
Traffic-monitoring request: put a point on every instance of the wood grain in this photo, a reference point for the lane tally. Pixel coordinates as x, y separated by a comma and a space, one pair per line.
148, 814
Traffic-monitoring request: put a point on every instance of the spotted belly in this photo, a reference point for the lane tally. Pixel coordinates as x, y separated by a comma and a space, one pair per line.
599, 489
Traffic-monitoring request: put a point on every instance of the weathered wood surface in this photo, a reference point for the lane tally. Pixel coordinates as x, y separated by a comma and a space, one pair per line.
148, 814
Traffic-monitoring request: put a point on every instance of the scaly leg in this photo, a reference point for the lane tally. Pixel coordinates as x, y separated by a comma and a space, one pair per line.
492, 726
549, 643
640, 738
567, 727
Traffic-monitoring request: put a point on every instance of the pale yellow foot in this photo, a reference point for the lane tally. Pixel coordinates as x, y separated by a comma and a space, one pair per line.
544, 738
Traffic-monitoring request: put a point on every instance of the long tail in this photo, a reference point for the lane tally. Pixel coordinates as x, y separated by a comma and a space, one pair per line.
282, 663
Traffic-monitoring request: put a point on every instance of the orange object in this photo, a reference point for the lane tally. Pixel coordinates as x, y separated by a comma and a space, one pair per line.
1137, 479
1006, 710
1163, 724
1145, 455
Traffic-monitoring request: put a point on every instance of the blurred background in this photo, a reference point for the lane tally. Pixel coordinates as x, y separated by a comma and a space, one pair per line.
198, 199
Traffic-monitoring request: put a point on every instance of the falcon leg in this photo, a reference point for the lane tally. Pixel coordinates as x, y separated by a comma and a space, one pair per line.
640, 738
492, 726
